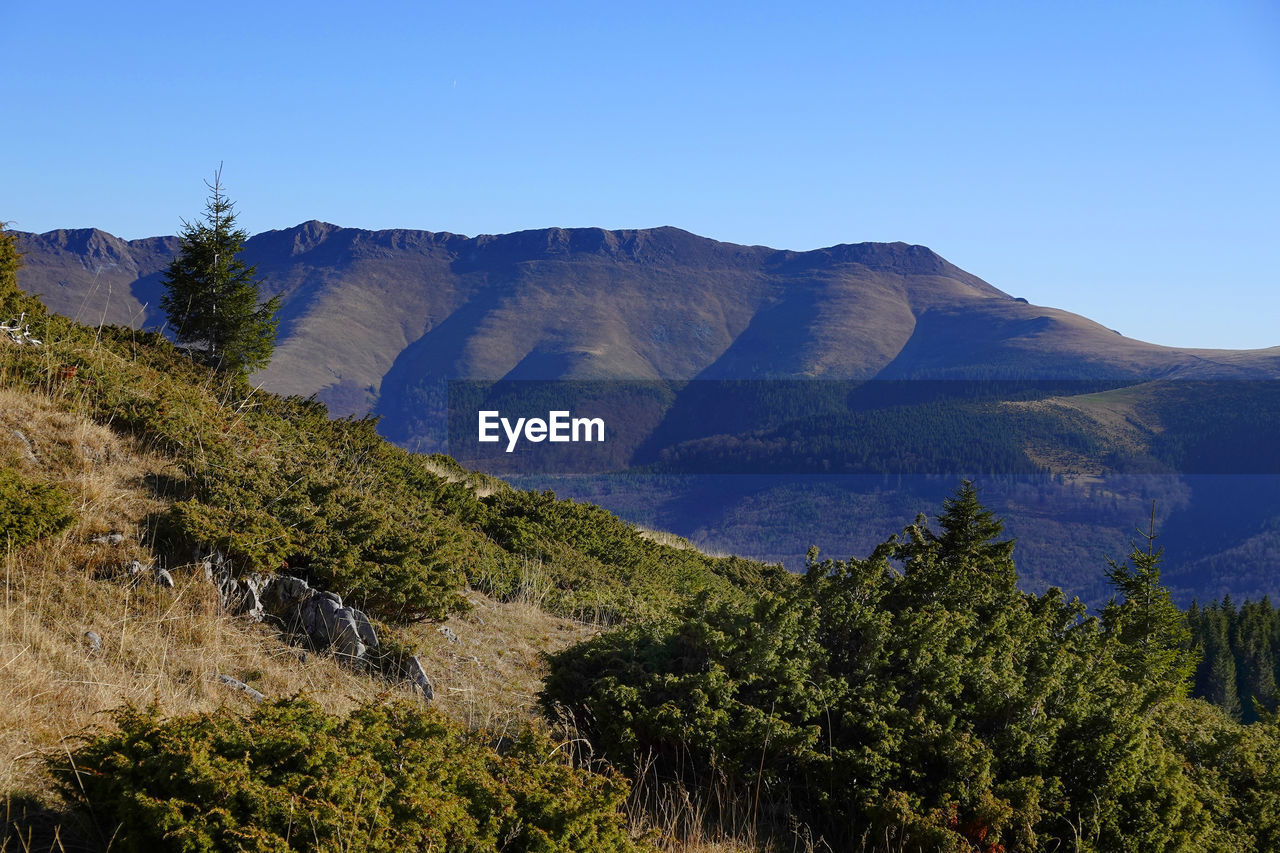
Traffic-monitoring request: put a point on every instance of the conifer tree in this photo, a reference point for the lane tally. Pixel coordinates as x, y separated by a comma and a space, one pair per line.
967, 563
212, 299
1256, 653
12, 300
1216, 677
1155, 643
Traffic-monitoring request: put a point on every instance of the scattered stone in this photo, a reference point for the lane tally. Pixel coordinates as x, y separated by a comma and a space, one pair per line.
19, 331
136, 571
364, 627
284, 594
418, 677
237, 684
228, 592
250, 591
93, 640
316, 618
28, 450
327, 623
448, 633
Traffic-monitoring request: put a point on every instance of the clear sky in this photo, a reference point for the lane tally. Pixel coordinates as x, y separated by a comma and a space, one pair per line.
1120, 160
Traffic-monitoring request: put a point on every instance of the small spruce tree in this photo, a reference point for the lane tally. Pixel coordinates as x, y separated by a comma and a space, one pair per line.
212, 299
967, 564
1155, 644
13, 302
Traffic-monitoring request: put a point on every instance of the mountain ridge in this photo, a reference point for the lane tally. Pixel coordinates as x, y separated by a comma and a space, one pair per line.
368, 317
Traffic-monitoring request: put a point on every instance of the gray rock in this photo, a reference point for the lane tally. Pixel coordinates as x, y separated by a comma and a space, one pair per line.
327, 623
228, 592
448, 633
418, 677
241, 597
135, 571
316, 615
348, 642
283, 595
113, 538
364, 628
27, 449
252, 589
237, 684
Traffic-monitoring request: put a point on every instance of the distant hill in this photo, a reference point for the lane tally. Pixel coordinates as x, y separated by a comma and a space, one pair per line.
377, 322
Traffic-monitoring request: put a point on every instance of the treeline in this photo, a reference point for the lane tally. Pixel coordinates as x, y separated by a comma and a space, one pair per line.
1217, 427
924, 427
1239, 669
947, 438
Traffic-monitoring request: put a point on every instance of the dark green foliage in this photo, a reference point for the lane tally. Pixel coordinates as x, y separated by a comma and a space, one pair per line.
291, 777
331, 501
13, 302
599, 563
927, 438
1240, 668
919, 693
212, 299
30, 511
1155, 645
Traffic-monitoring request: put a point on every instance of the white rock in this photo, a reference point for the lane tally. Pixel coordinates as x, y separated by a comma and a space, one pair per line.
237, 684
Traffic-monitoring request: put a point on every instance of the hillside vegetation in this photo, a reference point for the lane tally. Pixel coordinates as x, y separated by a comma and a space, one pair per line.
916, 700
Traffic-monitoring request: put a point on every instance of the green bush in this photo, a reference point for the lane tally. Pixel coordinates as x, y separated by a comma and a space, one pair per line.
30, 511
919, 695
600, 561
387, 777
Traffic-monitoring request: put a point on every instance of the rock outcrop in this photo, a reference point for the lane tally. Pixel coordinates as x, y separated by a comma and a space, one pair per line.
315, 618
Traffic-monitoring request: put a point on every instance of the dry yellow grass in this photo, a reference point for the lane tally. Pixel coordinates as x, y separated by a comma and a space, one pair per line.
156, 644
489, 677
671, 540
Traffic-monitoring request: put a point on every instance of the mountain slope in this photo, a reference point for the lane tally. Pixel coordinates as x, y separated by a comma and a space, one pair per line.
368, 317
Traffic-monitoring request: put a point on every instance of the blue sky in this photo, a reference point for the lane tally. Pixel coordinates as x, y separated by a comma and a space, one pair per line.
1119, 160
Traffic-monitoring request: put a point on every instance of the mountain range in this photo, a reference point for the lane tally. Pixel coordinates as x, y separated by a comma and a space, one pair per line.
375, 322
